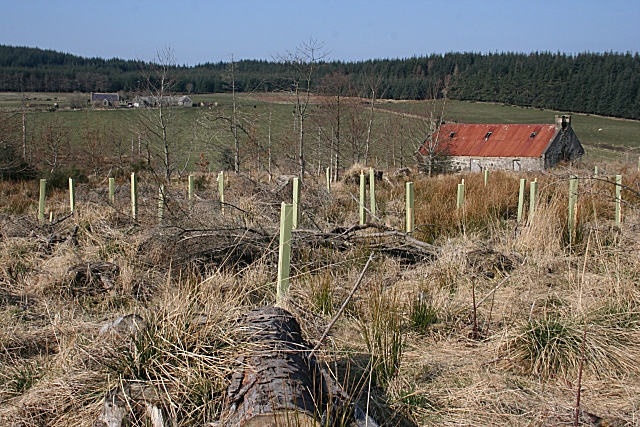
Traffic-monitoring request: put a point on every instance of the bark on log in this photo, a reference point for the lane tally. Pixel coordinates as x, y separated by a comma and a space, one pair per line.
277, 384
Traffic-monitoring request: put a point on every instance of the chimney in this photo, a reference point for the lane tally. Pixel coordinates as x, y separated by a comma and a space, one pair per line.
563, 122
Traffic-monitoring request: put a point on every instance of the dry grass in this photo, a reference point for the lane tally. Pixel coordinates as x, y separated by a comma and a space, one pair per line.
410, 342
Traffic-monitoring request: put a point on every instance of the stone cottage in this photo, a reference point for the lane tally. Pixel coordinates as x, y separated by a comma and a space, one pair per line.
105, 99
526, 147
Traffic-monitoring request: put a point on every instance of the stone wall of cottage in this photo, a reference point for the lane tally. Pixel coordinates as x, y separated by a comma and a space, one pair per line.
565, 146
477, 164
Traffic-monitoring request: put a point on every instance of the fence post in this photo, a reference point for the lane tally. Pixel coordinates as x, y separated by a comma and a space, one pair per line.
363, 195
161, 204
284, 251
533, 197
372, 192
43, 190
410, 207
72, 195
134, 196
573, 199
112, 190
191, 190
460, 199
328, 173
595, 171
523, 183
618, 199
221, 189
296, 203
486, 177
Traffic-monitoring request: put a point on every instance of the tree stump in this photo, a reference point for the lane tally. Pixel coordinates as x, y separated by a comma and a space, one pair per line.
92, 277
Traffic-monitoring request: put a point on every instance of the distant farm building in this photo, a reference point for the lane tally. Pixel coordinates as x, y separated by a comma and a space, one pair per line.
105, 99
165, 101
476, 147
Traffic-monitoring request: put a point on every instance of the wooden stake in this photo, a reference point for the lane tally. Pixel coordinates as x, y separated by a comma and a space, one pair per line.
43, 190
134, 196
595, 171
523, 183
284, 251
410, 207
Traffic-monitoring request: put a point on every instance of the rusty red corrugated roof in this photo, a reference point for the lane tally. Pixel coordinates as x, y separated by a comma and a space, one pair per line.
509, 140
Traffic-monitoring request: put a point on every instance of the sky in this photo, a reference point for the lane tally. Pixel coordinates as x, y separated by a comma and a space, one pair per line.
199, 31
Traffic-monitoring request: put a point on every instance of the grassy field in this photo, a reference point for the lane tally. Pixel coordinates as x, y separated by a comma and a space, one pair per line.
498, 323
199, 129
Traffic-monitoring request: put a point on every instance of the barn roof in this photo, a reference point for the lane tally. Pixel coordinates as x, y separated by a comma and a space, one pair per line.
494, 140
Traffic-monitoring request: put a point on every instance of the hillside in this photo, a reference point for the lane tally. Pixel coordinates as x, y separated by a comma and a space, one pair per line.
606, 84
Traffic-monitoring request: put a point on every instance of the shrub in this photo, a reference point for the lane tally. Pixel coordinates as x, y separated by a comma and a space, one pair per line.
12, 166
59, 178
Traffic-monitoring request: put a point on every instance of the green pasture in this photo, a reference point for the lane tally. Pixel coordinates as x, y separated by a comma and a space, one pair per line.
604, 138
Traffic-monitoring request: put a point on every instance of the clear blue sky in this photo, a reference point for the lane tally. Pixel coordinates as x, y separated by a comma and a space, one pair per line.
201, 31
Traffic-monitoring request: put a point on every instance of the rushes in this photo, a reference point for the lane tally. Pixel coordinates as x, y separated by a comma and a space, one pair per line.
20, 378
546, 346
423, 312
550, 345
382, 330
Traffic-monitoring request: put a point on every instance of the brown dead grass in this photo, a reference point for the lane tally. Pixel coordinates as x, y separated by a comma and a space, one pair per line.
55, 368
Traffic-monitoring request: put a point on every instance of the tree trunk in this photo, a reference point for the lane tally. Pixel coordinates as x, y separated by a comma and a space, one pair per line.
277, 384
301, 145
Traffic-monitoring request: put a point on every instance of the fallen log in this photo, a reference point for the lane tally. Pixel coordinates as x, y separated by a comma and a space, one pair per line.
237, 246
277, 382
387, 240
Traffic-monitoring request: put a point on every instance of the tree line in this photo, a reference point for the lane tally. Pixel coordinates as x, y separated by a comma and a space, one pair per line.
596, 83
